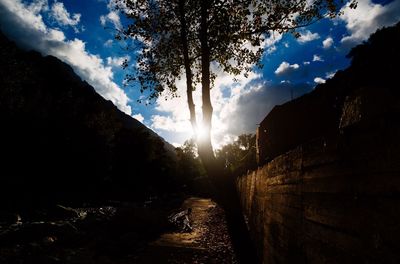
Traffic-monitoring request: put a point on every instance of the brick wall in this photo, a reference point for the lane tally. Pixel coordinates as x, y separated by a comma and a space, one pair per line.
335, 199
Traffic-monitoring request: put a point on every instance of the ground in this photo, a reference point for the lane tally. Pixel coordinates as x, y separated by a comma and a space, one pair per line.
208, 242
118, 233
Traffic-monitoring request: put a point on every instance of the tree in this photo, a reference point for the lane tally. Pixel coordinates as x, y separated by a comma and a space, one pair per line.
189, 164
190, 170
174, 38
178, 37
240, 156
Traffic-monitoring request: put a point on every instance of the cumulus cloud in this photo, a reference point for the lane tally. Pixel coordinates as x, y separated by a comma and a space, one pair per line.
251, 106
173, 115
319, 80
270, 42
317, 58
327, 43
26, 26
238, 107
286, 67
307, 36
367, 18
38, 5
330, 74
168, 123
113, 18
138, 117
108, 43
117, 61
103, 20
271, 49
62, 16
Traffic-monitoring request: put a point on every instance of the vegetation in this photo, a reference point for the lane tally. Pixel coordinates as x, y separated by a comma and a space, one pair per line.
188, 160
190, 169
172, 38
177, 37
240, 156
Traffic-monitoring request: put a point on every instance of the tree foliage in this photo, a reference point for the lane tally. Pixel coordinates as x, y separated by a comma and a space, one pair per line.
240, 156
235, 34
173, 38
190, 170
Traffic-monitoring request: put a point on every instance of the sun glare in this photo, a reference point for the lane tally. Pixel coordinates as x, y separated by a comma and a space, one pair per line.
201, 132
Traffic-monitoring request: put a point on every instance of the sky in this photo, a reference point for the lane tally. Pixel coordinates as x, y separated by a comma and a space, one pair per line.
81, 33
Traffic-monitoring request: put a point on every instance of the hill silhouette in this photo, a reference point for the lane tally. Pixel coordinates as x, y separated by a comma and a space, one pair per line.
61, 141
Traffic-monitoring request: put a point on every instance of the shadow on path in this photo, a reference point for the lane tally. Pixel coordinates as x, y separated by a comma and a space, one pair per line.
208, 242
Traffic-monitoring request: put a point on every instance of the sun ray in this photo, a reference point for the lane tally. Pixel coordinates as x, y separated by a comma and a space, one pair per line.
200, 132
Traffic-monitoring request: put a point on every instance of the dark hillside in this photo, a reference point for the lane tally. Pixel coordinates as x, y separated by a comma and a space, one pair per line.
60, 140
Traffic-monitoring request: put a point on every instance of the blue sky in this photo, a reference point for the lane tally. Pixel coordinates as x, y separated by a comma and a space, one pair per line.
80, 32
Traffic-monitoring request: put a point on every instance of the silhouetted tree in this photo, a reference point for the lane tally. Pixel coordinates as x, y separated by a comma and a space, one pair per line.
178, 36
240, 156
190, 168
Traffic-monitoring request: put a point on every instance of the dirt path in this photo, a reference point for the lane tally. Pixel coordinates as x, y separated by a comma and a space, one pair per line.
208, 242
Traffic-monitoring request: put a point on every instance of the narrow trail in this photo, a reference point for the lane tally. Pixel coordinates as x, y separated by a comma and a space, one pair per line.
208, 242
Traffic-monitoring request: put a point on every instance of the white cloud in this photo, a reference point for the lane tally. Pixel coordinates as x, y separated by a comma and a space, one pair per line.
330, 74
317, 58
27, 28
38, 5
103, 20
271, 49
168, 123
306, 63
117, 61
108, 43
174, 113
319, 80
176, 145
238, 107
138, 117
367, 18
285, 67
63, 17
245, 111
269, 43
327, 43
307, 36
112, 17
56, 35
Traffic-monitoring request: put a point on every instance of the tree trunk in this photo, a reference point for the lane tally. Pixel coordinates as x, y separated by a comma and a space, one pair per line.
186, 61
205, 147
224, 184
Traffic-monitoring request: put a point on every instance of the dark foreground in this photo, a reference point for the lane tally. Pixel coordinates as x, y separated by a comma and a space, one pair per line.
208, 242
121, 233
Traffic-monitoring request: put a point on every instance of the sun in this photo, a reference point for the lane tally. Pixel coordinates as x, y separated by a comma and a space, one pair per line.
201, 132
